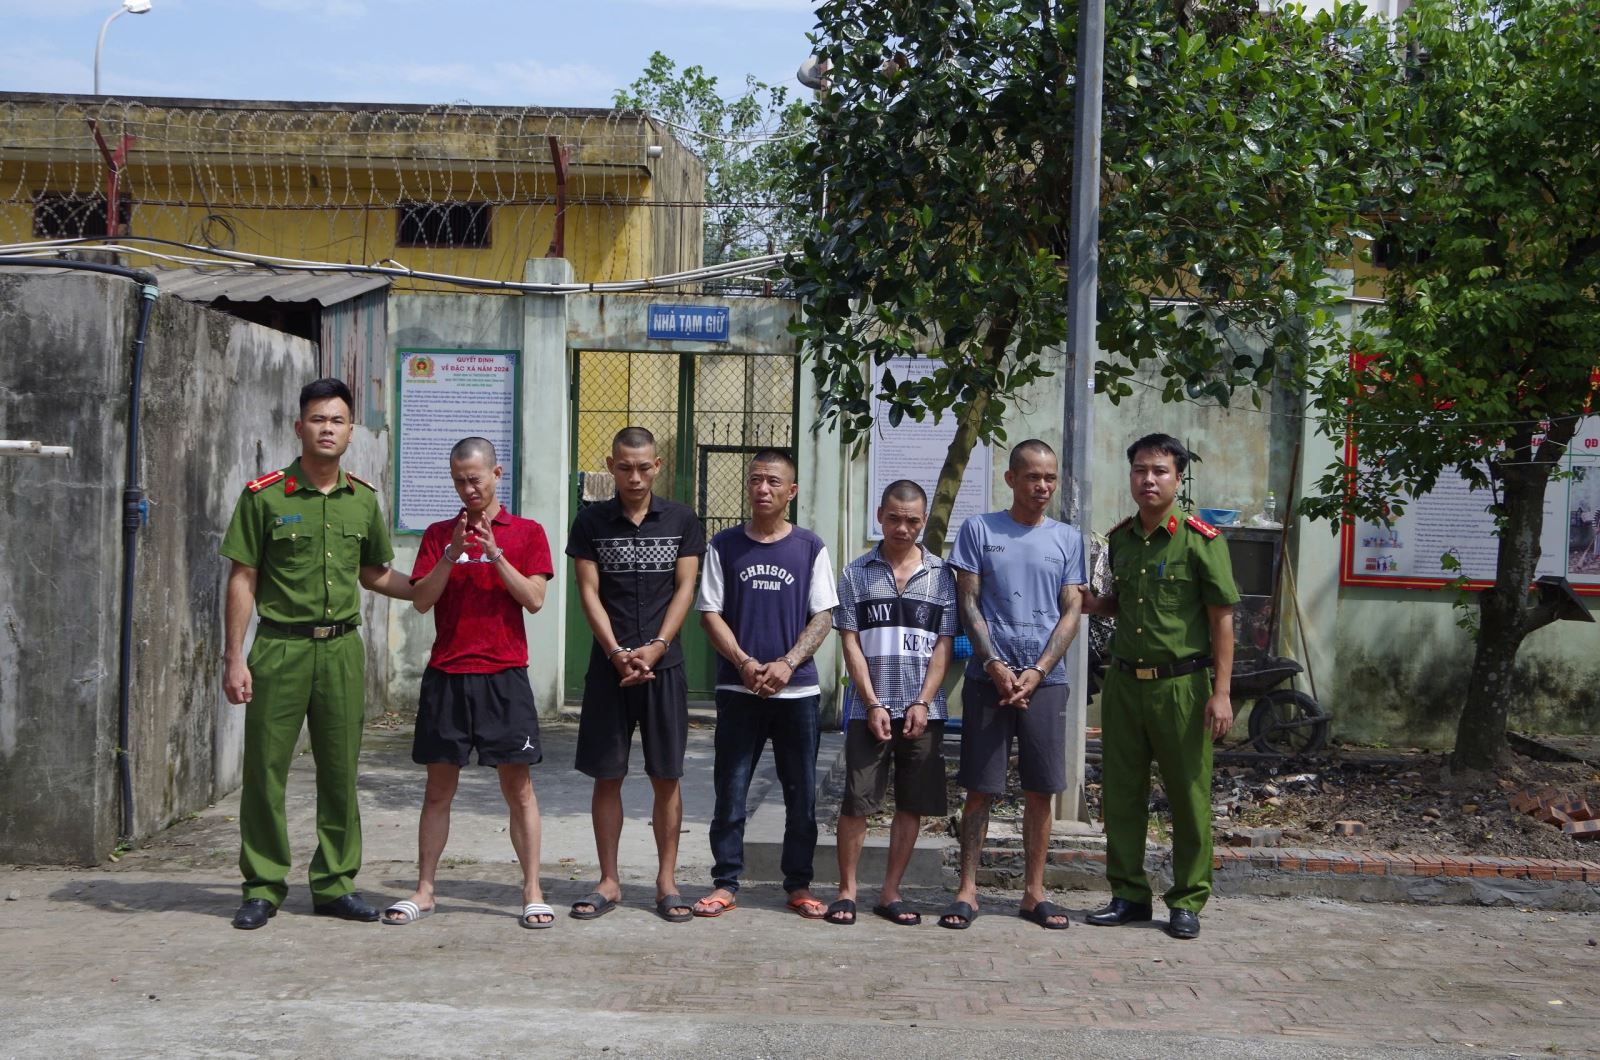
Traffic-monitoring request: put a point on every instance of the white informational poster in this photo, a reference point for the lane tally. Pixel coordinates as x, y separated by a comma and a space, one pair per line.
1453, 519
916, 451
445, 396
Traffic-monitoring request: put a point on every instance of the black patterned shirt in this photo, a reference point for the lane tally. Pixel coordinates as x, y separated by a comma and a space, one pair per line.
638, 565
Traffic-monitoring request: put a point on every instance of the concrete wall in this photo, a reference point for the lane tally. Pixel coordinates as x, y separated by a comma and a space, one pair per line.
219, 399
61, 382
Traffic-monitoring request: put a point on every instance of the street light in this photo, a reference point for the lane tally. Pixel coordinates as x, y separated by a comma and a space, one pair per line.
129, 7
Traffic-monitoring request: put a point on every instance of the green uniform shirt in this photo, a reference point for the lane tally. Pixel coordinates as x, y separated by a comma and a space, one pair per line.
1163, 584
307, 547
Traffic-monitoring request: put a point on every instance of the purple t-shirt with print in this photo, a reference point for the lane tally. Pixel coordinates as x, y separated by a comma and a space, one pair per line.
767, 592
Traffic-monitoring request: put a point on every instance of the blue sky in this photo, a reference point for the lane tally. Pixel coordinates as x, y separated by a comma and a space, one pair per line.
501, 52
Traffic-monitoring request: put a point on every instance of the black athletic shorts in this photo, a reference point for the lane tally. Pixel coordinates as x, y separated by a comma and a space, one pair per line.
490, 713
659, 709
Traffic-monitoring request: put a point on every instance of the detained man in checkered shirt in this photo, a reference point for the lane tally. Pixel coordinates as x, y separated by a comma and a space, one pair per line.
896, 619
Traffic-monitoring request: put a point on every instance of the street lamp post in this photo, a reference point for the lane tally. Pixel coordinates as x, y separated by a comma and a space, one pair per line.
129, 7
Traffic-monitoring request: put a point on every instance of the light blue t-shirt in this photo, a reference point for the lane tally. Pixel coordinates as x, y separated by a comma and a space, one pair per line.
1022, 569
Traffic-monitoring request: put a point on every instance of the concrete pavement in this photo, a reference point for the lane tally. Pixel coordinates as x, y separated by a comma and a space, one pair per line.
138, 959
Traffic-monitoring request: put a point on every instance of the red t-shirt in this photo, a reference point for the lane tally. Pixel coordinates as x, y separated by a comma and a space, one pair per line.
477, 623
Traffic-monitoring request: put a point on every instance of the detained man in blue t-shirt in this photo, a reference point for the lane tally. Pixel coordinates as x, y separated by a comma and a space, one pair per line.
766, 602
1019, 575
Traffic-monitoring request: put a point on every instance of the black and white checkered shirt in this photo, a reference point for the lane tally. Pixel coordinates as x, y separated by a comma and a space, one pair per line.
898, 630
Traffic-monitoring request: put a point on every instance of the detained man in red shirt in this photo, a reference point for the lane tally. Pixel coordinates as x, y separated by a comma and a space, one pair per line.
478, 573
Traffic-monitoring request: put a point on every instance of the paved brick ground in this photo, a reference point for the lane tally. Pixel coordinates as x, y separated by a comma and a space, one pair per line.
94, 962
138, 959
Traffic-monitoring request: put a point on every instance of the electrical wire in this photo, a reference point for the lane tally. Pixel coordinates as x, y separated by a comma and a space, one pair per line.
216, 257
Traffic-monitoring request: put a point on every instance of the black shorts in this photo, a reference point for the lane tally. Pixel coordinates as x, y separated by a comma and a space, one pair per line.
490, 713
659, 709
918, 764
987, 730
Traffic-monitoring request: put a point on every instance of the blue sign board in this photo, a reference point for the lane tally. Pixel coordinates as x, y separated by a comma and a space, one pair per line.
703, 323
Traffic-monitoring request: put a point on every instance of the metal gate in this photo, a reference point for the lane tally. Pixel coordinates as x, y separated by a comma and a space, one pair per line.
709, 413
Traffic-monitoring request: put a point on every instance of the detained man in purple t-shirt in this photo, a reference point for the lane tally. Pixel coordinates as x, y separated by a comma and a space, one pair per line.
766, 601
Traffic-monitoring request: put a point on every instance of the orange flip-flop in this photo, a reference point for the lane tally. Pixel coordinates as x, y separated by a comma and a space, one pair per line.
710, 907
810, 908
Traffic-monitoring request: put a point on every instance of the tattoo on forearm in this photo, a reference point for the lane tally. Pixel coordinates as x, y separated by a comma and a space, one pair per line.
974, 829
1056, 646
967, 588
1065, 629
812, 636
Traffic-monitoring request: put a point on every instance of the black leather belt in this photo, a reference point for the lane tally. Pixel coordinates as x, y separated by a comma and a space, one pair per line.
1156, 673
338, 629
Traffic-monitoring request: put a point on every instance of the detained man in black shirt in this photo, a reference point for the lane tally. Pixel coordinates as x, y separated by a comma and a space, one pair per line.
637, 559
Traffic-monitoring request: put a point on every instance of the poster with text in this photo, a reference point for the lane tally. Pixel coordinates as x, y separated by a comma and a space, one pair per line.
1454, 520
916, 451
445, 396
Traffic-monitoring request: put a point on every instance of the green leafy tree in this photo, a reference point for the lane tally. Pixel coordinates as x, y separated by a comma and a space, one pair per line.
941, 170
1479, 359
745, 142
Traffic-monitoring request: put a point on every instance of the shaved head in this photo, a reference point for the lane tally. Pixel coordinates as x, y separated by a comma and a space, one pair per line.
1022, 452
468, 448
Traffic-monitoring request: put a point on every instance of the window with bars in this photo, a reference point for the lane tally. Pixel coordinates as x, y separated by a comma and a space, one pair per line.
59, 215
443, 224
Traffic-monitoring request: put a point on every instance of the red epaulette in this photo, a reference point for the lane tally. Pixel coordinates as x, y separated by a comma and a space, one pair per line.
1119, 526
256, 485
1205, 528
353, 477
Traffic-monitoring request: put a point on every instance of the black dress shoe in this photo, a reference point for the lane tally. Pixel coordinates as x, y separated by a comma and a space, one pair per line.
348, 907
254, 913
1183, 924
1117, 912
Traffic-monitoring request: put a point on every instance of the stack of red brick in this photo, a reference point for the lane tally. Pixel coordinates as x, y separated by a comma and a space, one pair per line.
1567, 812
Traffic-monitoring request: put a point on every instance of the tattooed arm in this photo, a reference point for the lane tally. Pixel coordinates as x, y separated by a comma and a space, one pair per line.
968, 588
1066, 628
780, 671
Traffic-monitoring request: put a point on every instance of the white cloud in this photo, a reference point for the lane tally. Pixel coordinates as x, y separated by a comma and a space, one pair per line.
525, 81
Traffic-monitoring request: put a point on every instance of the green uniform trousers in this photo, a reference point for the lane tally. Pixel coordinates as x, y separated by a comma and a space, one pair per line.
1163, 719
320, 683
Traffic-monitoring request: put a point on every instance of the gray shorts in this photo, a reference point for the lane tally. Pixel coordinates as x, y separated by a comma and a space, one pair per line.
918, 764
987, 730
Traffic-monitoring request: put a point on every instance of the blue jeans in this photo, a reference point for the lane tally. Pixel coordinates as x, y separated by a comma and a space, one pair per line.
744, 724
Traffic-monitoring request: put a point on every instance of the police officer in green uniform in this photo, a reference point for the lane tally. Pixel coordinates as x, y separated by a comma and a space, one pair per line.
300, 539
1173, 595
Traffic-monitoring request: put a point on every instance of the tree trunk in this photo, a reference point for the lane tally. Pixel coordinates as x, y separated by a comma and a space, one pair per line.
995, 344
1507, 613
951, 474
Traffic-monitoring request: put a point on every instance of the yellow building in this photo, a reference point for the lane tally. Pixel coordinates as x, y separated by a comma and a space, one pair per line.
460, 190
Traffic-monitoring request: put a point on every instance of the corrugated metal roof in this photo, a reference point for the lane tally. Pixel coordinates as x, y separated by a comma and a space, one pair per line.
324, 288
